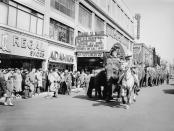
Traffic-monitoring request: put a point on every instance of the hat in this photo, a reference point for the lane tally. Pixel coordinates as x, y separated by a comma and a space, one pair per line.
115, 46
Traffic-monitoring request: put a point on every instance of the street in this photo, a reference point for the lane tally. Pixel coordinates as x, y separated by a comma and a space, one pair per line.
153, 111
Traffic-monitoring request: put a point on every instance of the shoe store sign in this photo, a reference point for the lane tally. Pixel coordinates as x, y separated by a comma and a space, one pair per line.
57, 56
22, 45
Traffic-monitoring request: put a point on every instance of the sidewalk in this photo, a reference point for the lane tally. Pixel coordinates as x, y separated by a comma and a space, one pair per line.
75, 91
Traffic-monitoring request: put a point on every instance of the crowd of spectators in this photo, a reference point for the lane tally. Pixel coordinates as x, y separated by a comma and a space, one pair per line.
25, 84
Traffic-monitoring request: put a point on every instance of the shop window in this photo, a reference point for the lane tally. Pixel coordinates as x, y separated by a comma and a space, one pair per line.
65, 6
99, 24
18, 16
61, 32
85, 16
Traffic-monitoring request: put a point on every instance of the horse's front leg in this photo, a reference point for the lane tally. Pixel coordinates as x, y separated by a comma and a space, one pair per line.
128, 98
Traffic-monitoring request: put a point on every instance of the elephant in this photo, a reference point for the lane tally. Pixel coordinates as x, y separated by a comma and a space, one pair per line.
107, 78
141, 75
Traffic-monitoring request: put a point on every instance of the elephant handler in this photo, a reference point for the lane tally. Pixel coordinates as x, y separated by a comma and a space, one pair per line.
114, 56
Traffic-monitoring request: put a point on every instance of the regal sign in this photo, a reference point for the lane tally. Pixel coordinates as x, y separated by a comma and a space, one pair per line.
20, 45
90, 43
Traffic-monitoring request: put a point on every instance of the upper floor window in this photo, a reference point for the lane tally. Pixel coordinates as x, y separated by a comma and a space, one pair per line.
18, 16
85, 16
99, 24
110, 30
40, 1
61, 32
65, 6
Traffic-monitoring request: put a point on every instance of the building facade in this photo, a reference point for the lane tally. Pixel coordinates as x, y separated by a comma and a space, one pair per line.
142, 54
107, 22
49, 33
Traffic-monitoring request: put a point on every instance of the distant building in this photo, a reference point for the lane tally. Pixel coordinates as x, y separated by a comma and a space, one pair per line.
142, 54
156, 58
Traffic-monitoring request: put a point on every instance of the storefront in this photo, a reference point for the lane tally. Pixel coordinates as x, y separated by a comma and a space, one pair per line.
61, 58
90, 49
18, 50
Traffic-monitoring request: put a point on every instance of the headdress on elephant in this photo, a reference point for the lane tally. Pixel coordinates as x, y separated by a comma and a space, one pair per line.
114, 47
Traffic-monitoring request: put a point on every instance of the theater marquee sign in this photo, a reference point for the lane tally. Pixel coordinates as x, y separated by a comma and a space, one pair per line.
90, 43
22, 45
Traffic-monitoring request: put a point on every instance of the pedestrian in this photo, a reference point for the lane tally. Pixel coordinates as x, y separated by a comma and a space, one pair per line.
27, 86
82, 79
2, 84
33, 81
167, 77
87, 80
44, 80
54, 78
68, 81
10, 87
17, 82
39, 81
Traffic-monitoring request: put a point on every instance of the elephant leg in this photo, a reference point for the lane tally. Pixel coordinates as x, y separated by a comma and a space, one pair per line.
104, 92
109, 93
99, 92
90, 88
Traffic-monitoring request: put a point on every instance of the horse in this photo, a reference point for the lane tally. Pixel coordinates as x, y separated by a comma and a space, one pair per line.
128, 84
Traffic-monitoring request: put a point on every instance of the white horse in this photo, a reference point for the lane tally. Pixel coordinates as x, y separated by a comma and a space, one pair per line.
128, 84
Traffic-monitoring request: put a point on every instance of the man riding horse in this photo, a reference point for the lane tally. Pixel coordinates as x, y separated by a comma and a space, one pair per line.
125, 61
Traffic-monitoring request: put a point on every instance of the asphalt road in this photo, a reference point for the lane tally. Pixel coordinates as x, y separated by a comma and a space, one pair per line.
153, 111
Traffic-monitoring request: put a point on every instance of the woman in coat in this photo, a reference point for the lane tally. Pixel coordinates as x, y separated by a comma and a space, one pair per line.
39, 81
10, 87
17, 82
2, 84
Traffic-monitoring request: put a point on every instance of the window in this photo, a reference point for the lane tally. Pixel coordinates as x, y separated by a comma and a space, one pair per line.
65, 6
12, 14
85, 16
99, 24
18, 16
33, 25
23, 20
61, 32
110, 30
3, 13
39, 26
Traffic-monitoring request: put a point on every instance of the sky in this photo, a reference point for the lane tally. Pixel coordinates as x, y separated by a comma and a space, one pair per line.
157, 25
